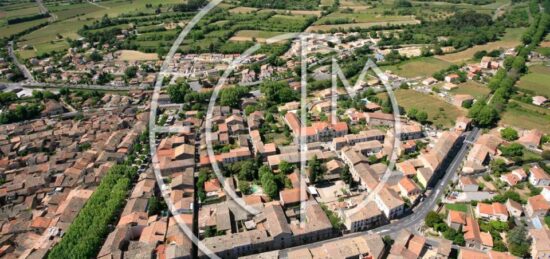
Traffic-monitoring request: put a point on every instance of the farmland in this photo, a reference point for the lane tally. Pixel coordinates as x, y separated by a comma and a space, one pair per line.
510, 39
526, 116
537, 81
424, 67
440, 113
472, 88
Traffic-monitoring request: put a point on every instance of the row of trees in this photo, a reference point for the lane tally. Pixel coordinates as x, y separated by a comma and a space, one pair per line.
87, 232
20, 113
502, 84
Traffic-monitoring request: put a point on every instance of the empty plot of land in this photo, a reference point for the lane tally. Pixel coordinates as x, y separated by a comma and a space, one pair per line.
250, 35
418, 67
472, 88
132, 55
439, 112
243, 9
536, 81
511, 39
526, 116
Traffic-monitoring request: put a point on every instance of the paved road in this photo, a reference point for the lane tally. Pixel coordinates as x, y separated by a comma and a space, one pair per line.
417, 217
430, 202
15, 61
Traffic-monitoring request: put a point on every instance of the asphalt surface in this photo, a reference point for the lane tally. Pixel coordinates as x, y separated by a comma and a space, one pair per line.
416, 218
21, 67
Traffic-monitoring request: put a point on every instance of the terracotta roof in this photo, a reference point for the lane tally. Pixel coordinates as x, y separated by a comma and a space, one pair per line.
538, 203
457, 217
212, 185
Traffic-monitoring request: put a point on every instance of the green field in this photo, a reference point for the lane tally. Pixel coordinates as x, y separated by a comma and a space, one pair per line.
526, 116
510, 39
439, 112
424, 67
9, 30
536, 81
361, 17
472, 88
457, 207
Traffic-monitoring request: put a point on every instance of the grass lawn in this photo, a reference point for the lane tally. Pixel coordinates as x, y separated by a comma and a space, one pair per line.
439, 112
536, 81
510, 39
457, 207
472, 88
424, 67
526, 116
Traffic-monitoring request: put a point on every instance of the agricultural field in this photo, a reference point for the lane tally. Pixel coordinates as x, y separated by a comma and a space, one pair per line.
71, 18
440, 113
537, 81
9, 30
526, 116
510, 39
251, 35
424, 67
472, 88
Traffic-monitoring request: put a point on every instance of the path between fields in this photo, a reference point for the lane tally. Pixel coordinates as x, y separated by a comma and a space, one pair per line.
98, 5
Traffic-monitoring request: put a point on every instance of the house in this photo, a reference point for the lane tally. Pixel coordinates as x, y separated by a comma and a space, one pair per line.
292, 197
514, 208
379, 119
539, 100
494, 211
52, 107
390, 203
540, 247
429, 81
462, 123
452, 78
514, 177
538, 177
460, 100
468, 184
537, 206
408, 188
363, 219
531, 139
486, 62
456, 219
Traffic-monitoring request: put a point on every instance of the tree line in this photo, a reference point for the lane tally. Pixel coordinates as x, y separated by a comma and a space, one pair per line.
86, 235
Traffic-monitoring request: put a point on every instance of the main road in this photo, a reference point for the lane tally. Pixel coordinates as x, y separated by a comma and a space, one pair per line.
420, 212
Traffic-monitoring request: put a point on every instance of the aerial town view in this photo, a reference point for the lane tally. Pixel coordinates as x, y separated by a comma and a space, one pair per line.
263, 129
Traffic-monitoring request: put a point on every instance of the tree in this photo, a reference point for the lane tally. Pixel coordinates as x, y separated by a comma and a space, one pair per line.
244, 187
509, 134
546, 155
483, 115
514, 150
519, 243
131, 71
345, 175
248, 170
498, 166
178, 92
315, 170
285, 167
432, 218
